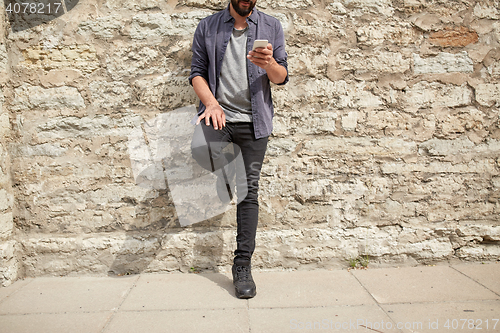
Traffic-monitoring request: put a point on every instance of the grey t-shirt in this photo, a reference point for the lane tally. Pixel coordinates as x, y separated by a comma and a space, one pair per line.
233, 93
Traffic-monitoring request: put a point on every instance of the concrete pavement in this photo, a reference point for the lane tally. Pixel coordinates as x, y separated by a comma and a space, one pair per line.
443, 298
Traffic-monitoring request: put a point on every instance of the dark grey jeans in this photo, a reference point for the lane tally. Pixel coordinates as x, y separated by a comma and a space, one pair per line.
241, 136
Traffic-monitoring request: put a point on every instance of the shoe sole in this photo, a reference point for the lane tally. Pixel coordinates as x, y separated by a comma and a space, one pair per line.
245, 296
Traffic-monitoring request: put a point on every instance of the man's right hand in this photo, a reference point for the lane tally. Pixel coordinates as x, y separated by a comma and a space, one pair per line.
214, 112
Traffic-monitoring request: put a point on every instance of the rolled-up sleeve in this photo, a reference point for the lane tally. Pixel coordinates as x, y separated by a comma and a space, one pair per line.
199, 62
279, 52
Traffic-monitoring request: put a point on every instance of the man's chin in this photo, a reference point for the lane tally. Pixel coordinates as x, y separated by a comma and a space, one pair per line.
243, 10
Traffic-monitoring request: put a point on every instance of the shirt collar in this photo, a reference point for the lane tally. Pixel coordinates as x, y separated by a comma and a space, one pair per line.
254, 17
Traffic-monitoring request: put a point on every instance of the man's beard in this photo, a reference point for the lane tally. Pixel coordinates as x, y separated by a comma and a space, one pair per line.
242, 11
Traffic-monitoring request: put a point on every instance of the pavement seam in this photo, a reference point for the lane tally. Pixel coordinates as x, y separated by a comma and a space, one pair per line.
475, 280
444, 302
248, 316
15, 291
106, 324
374, 299
52, 313
255, 308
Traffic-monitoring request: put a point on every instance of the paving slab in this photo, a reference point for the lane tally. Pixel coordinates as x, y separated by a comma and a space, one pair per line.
373, 300
466, 316
182, 291
308, 288
68, 294
7, 291
486, 274
54, 322
421, 284
199, 321
359, 318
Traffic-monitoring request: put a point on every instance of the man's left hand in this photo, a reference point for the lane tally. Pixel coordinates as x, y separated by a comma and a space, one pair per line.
262, 57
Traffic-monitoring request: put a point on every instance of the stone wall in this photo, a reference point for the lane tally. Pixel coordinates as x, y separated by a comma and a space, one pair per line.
9, 249
386, 140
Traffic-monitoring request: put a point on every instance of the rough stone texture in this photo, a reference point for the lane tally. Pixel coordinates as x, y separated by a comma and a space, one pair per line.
9, 247
452, 36
3, 58
488, 94
159, 25
29, 97
386, 141
433, 95
11, 265
48, 57
443, 63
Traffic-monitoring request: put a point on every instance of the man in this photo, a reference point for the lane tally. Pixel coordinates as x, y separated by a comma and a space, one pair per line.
233, 85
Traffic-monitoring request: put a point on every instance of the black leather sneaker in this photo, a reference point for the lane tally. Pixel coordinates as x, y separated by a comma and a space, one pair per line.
243, 282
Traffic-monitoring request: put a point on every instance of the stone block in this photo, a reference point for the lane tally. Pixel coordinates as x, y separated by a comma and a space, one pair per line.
377, 33
468, 120
166, 91
58, 78
110, 95
454, 36
28, 97
132, 61
6, 225
338, 94
379, 61
44, 149
307, 60
6, 200
434, 95
494, 69
81, 57
9, 264
4, 124
136, 5
283, 4
359, 146
449, 210
360, 7
3, 58
350, 121
324, 190
486, 232
478, 252
102, 27
486, 166
483, 11
305, 123
443, 63
427, 21
208, 4
318, 32
391, 122
336, 8
155, 26
437, 147
430, 249
487, 94
280, 146
88, 127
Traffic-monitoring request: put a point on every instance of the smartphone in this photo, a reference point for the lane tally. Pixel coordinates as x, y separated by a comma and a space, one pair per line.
259, 43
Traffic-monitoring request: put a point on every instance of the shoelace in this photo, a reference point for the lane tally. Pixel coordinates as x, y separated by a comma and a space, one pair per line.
243, 273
